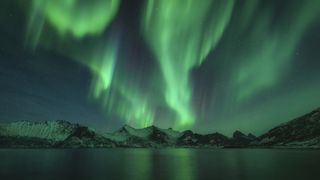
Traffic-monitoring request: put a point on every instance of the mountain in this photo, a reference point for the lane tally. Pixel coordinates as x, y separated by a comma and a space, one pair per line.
147, 137
302, 132
190, 139
60, 134
241, 140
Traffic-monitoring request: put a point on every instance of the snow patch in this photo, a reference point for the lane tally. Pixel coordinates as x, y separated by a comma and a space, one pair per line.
51, 130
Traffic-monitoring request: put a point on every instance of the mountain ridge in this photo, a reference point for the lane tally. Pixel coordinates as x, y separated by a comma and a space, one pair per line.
301, 132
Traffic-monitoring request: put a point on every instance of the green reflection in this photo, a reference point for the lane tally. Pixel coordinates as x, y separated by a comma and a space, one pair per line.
182, 164
138, 164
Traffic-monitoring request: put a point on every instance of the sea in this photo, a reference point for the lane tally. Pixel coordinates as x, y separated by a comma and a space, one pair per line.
162, 164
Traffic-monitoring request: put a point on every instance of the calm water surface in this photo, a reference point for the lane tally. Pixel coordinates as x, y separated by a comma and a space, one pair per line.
164, 164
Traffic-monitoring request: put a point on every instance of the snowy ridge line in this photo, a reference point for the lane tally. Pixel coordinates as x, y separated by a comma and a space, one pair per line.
302, 132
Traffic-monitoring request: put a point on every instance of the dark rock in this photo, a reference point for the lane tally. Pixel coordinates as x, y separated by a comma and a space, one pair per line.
252, 136
238, 134
217, 139
188, 138
193, 139
239, 139
301, 129
84, 137
158, 136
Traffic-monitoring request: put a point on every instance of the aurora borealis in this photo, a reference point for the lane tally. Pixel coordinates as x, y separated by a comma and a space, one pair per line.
181, 36
205, 65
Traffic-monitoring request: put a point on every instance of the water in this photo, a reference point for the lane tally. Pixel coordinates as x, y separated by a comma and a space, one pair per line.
164, 164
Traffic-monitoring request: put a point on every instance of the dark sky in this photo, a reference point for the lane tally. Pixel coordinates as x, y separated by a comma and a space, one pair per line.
209, 65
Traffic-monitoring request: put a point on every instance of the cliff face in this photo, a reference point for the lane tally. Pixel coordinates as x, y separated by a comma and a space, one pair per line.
303, 132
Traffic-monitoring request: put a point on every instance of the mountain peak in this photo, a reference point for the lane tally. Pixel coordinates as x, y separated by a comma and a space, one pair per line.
125, 128
237, 134
300, 132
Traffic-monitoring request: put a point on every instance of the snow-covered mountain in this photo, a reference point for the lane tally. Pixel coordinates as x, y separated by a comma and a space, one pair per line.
64, 134
50, 130
50, 134
303, 132
147, 137
300, 132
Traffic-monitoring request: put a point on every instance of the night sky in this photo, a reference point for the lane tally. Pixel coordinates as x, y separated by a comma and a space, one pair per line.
204, 65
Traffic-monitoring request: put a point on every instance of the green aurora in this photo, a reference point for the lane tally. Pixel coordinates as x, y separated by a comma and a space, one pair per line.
208, 64
182, 35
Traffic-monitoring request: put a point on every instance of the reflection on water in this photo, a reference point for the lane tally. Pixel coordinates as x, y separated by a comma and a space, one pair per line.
138, 164
143, 164
184, 159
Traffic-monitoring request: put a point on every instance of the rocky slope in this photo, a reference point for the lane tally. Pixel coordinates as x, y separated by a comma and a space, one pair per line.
300, 132
303, 132
50, 134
